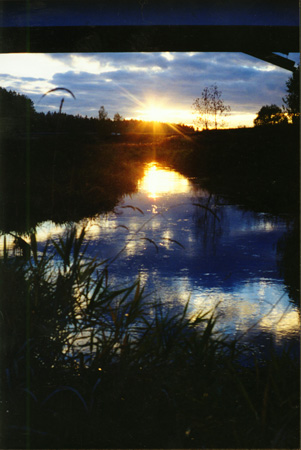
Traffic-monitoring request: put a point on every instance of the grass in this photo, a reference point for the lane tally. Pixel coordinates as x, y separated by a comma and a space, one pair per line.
85, 364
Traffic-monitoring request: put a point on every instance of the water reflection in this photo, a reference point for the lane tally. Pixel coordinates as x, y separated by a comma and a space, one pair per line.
185, 243
158, 181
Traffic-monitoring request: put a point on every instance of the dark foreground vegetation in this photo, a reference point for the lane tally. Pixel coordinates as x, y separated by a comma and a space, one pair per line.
90, 365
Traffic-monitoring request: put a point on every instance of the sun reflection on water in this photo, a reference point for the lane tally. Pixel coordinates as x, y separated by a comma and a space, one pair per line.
256, 303
158, 181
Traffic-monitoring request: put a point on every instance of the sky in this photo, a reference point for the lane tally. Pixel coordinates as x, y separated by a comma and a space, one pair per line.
146, 86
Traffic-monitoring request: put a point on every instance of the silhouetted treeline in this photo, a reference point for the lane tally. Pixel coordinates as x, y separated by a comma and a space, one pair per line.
140, 126
55, 122
18, 115
61, 122
16, 112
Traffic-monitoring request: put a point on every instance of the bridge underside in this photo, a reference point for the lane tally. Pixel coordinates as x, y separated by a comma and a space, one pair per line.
258, 41
257, 27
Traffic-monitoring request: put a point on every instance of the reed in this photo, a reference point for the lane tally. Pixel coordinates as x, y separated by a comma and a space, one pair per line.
86, 364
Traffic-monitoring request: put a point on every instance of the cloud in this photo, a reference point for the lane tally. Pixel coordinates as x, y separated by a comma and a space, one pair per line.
124, 82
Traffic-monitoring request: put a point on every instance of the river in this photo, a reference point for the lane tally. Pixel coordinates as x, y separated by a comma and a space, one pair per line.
184, 243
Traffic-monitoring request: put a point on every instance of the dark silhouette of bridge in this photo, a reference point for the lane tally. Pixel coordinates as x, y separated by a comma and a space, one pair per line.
261, 28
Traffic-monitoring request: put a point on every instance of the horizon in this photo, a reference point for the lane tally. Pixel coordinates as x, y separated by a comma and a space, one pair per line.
152, 87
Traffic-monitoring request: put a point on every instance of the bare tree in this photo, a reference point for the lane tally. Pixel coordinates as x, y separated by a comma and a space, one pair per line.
218, 107
210, 107
202, 107
102, 113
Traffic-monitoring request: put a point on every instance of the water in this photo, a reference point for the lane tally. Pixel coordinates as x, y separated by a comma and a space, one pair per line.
184, 244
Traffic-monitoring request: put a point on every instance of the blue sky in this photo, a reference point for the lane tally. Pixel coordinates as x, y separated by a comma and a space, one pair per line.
147, 86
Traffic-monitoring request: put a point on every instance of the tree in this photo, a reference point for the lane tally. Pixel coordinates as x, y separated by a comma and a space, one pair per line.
117, 117
102, 114
292, 99
218, 106
270, 115
210, 107
17, 112
202, 107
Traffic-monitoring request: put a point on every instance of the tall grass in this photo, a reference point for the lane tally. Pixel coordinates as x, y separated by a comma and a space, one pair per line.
86, 364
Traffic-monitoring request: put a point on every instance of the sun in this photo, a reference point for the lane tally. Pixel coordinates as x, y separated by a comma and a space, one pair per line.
156, 114
156, 110
162, 111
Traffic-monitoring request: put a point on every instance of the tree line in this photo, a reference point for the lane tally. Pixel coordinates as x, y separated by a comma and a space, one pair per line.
18, 115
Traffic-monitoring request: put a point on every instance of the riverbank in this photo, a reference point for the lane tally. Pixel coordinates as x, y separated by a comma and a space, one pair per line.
256, 167
66, 177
